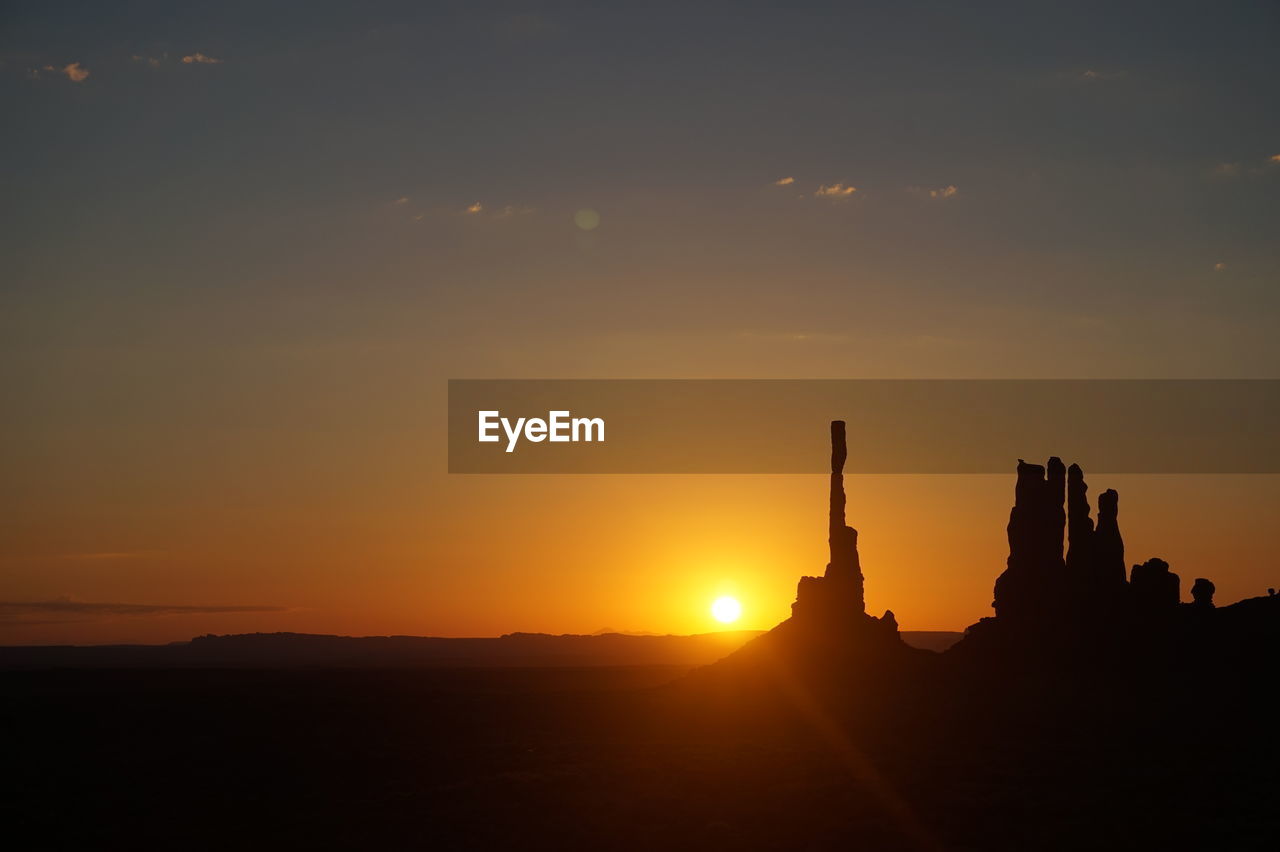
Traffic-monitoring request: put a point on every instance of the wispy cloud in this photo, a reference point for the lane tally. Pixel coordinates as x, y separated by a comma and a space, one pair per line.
1230, 170
73, 71
506, 211
835, 191
811, 337
200, 59
1219, 266
1093, 75
13, 613
942, 193
105, 555
153, 61
786, 181
402, 200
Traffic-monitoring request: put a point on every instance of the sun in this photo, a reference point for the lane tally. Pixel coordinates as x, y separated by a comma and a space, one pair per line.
726, 610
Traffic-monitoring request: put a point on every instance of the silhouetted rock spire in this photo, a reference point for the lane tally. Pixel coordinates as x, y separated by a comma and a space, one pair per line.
1095, 557
1079, 524
844, 572
839, 592
1031, 580
1108, 546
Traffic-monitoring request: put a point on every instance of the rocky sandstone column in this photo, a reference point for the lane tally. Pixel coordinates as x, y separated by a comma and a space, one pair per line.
844, 571
1108, 546
837, 596
1079, 524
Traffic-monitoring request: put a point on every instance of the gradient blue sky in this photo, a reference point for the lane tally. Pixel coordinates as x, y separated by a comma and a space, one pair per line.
233, 286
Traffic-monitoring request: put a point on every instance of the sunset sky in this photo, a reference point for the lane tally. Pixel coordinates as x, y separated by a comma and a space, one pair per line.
244, 249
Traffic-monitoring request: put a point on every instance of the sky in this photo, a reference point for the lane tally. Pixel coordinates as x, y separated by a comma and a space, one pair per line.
245, 245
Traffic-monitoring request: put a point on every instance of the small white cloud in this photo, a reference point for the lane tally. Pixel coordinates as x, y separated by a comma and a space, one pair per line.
786, 181
73, 72
200, 59
940, 194
475, 208
1093, 75
835, 192
1219, 266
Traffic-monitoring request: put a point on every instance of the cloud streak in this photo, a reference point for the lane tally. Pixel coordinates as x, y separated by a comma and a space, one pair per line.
1093, 75
200, 59
73, 71
835, 192
13, 613
101, 555
506, 211
1232, 170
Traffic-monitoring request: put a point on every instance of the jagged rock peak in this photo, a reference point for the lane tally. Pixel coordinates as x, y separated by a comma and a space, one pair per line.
1154, 586
1202, 593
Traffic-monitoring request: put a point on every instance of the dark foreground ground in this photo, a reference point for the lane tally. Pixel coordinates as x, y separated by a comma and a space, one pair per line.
609, 758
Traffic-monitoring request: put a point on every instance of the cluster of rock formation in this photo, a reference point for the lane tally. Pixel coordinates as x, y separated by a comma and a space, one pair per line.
1040, 586
1043, 583
1063, 598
